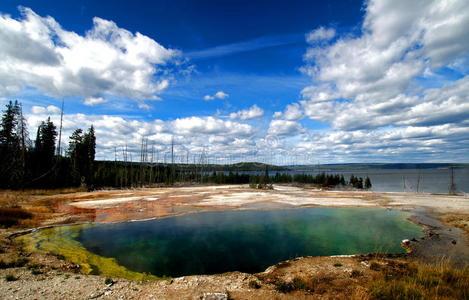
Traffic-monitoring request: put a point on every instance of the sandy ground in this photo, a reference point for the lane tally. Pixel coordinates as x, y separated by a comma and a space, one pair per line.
58, 279
111, 206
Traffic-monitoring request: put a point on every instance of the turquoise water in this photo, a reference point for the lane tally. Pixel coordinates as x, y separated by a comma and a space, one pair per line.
247, 241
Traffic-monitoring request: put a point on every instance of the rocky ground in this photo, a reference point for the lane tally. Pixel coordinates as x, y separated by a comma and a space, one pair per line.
37, 276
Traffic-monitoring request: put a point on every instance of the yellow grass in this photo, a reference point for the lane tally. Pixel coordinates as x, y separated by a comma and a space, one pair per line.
421, 281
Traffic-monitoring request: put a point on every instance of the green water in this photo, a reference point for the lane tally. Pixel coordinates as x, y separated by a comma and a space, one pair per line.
247, 241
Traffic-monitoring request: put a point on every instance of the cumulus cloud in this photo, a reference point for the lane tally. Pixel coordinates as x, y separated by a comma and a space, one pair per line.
283, 139
284, 128
369, 81
410, 144
209, 125
91, 101
248, 114
51, 109
293, 112
192, 134
218, 95
36, 51
320, 34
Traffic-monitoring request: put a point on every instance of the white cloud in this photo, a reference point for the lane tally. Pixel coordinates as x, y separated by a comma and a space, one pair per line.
91, 101
144, 105
369, 82
221, 95
51, 109
248, 114
409, 144
320, 34
218, 95
322, 111
222, 138
193, 134
36, 51
292, 113
209, 125
284, 128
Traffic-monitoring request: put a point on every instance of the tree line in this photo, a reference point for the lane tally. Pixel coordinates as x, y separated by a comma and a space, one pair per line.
128, 174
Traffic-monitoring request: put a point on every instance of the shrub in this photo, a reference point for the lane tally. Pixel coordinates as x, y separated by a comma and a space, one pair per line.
375, 266
284, 287
337, 265
296, 284
355, 273
299, 284
21, 262
10, 277
36, 272
108, 281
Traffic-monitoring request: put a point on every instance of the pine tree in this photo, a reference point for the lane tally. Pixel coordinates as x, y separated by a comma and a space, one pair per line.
8, 134
367, 183
82, 150
45, 144
13, 134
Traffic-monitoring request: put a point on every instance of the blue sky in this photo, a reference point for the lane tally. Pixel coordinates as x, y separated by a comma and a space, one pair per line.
328, 81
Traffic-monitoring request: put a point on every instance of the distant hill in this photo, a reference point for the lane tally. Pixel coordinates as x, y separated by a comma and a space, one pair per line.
253, 166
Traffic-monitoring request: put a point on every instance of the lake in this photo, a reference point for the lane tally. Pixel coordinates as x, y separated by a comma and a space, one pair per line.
247, 241
432, 180
407, 180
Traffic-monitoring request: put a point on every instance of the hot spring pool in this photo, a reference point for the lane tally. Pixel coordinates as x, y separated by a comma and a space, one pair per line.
223, 241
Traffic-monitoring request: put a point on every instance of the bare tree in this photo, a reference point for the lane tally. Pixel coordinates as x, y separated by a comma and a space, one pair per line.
173, 175
452, 186
60, 130
151, 164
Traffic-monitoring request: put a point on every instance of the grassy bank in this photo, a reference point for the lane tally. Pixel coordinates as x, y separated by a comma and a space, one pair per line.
420, 281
